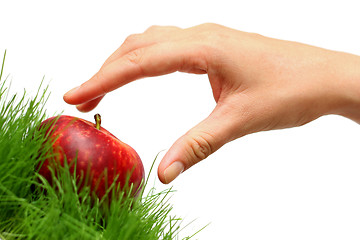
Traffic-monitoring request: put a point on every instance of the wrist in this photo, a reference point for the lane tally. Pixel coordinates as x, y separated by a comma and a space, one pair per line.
347, 85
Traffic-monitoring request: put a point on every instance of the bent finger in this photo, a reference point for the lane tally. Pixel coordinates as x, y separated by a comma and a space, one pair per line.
153, 35
158, 59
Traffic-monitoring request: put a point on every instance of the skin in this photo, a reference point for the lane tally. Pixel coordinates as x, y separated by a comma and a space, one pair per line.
258, 83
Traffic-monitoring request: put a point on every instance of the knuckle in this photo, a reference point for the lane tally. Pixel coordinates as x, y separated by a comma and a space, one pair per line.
159, 30
131, 39
211, 35
207, 25
200, 147
153, 28
135, 56
210, 26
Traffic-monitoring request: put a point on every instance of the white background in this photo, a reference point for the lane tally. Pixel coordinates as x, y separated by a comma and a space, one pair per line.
300, 183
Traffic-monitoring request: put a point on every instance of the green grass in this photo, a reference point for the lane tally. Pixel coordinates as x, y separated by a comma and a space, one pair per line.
32, 208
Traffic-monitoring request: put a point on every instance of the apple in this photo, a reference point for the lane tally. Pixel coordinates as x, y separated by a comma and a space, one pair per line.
99, 155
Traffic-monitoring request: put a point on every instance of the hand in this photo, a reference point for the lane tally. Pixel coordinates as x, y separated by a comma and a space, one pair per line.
258, 83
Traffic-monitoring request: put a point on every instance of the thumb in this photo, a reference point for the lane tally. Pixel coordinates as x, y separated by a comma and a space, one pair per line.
196, 145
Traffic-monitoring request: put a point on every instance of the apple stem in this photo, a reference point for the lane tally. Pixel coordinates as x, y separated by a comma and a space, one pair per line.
97, 121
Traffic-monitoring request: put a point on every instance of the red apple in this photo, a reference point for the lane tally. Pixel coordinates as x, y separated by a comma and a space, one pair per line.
95, 149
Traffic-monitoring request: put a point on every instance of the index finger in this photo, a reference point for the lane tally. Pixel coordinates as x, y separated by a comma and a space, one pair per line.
154, 60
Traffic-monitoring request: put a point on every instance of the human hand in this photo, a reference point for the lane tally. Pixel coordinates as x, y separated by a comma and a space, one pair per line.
258, 83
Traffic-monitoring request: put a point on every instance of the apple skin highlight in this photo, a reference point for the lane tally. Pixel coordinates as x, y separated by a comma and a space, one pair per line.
95, 151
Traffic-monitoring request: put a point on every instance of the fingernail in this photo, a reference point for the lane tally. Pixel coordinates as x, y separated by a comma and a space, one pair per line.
72, 91
80, 109
174, 170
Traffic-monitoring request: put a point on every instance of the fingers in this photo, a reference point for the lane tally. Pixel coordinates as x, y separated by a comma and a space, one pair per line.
196, 145
154, 60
